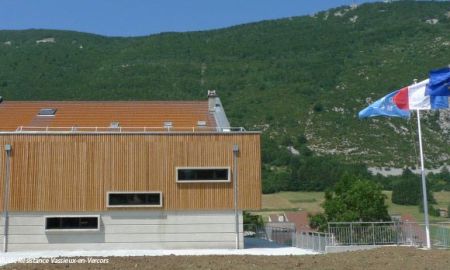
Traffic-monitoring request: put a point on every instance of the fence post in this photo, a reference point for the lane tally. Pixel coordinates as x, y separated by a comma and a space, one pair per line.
314, 241
396, 232
351, 234
411, 239
373, 233
319, 242
294, 239
303, 243
307, 241
446, 237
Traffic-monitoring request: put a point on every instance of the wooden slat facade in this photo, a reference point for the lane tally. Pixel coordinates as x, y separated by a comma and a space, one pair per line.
74, 172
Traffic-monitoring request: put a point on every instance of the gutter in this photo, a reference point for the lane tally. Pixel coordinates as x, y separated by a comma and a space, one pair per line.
127, 133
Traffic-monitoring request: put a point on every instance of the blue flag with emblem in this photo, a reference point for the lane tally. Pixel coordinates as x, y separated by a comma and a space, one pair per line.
385, 106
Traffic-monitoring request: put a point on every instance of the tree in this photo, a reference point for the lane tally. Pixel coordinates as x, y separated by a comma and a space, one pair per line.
254, 220
432, 211
318, 221
353, 199
439, 181
408, 190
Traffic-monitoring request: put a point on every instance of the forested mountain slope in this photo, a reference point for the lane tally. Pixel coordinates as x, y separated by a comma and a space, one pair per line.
302, 79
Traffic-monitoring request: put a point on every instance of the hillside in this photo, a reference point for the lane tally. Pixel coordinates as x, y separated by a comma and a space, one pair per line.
298, 79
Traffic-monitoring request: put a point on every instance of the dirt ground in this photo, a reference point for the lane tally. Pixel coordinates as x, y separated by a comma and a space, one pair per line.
383, 258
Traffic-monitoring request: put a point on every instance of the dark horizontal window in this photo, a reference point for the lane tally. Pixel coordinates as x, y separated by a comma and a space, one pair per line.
71, 223
207, 174
134, 199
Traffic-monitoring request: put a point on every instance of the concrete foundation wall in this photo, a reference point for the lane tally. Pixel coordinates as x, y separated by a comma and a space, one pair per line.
337, 249
127, 230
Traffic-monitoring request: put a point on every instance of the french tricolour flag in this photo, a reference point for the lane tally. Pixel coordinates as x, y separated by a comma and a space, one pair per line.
414, 97
439, 82
400, 102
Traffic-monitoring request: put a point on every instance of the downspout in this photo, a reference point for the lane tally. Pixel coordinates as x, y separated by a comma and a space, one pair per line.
6, 199
235, 187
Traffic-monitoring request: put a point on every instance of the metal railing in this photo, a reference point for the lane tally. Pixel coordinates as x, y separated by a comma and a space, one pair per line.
440, 235
348, 234
388, 233
255, 231
282, 233
76, 129
376, 233
316, 241
271, 234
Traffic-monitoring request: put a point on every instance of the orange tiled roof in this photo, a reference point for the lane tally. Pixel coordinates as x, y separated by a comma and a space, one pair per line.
408, 218
300, 219
182, 114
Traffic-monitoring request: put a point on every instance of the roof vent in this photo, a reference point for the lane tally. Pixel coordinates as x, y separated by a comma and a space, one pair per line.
212, 93
201, 123
114, 124
47, 112
212, 100
168, 124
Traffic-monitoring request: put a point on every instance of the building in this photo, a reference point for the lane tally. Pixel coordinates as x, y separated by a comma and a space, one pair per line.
124, 175
301, 221
298, 221
443, 212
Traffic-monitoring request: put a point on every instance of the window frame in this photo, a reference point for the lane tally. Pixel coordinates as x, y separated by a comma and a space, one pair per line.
52, 114
134, 205
72, 230
203, 168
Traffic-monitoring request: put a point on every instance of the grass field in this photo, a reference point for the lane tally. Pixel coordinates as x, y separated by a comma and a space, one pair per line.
311, 201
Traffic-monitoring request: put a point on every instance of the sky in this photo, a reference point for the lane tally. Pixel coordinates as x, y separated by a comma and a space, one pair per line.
144, 17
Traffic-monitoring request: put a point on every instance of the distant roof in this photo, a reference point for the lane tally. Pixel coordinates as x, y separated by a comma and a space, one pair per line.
300, 219
408, 218
274, 218
181, 114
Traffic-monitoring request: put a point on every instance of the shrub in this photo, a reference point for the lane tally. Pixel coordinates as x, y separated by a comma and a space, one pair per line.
432, 211
318, 107
408, 190
352, 199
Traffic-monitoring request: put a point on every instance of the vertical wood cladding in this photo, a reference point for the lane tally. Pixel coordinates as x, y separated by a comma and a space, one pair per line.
74, 172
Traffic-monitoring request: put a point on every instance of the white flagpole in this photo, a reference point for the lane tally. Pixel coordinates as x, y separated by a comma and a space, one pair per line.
424, 184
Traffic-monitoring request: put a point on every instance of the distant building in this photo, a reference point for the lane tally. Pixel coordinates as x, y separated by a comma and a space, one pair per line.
124, 175
301, 221
46, 40
276, 218
443, 212
298, 220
